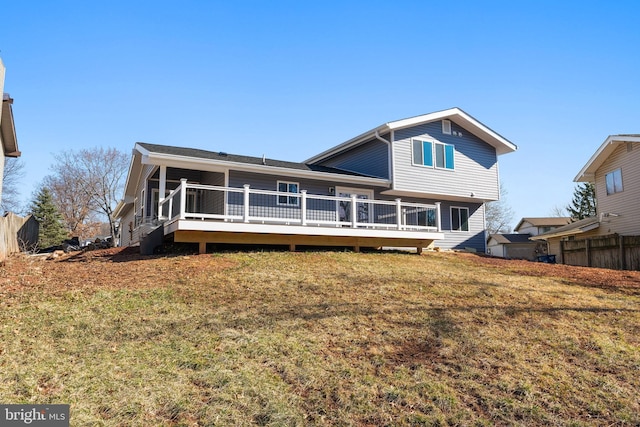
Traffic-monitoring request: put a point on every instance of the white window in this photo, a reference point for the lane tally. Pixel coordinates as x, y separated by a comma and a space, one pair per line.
614, 181
142, 203
427, 153
446, 127
155, 196
288, 188
459, 219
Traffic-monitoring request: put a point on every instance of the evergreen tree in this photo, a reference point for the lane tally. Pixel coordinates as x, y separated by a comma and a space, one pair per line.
43, 209
583, 204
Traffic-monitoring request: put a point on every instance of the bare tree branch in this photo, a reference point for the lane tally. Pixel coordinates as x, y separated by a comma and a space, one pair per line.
12, 176
89, 182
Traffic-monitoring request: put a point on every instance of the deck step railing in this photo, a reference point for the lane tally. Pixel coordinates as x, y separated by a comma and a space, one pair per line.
207, 202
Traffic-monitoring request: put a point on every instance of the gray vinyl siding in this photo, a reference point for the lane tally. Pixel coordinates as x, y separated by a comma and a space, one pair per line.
475, 164
370, 158
474, 238
320, 210
626, 204
128, 238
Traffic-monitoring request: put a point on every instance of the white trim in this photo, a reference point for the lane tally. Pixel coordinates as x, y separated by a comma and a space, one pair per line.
358, 191
287, 193
351, 192
241, 227
587, 173
456, 115
423, 140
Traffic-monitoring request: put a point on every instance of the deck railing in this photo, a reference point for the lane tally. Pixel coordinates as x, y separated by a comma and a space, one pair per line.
207, 202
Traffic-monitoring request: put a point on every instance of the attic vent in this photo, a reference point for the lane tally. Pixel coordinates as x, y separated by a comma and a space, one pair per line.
629, 147
446, 127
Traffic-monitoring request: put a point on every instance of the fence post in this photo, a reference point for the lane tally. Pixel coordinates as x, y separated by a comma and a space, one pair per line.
588, 251
399, 213
438, 219
303, 207
354, 211
183, 197
246, 203
621, 254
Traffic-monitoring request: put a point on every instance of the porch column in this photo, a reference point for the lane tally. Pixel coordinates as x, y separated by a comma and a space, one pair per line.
303, 207
438, 219
246, 203
354, 211
399, 213
162, 189
183, 197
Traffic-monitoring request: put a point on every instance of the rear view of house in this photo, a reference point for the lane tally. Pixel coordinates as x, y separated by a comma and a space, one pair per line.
409, 183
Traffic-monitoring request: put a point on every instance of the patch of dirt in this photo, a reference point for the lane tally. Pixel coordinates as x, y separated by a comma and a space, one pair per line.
115, 268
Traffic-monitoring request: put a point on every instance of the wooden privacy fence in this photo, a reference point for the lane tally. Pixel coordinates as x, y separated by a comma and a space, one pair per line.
17, 234
613, 251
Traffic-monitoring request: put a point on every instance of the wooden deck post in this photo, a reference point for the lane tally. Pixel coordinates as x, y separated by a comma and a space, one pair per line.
419, 250
202, 248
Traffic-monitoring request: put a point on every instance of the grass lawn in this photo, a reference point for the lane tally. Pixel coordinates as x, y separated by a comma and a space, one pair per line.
320, 338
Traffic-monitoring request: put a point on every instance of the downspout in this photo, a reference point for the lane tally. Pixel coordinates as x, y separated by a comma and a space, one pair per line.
378, 137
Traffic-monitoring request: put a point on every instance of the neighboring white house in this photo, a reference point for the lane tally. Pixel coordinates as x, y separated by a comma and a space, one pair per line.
538, 225
518, 245
614, 169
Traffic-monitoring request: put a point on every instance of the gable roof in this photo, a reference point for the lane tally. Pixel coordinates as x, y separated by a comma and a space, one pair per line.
587, 173
544, 221
456, 115
577, 227
510, 238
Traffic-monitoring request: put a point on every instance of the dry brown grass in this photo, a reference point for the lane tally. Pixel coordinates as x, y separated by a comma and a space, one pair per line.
320, 338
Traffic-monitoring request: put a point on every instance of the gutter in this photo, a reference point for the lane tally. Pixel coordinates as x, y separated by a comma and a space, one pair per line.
378, 137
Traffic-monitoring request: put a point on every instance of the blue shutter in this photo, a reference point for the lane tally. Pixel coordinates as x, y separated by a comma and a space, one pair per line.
427, 153
448, 156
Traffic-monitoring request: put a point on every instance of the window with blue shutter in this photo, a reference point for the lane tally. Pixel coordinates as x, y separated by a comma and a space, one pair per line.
427, 153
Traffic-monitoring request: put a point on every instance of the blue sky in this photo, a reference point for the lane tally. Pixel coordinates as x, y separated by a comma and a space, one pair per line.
290, 79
